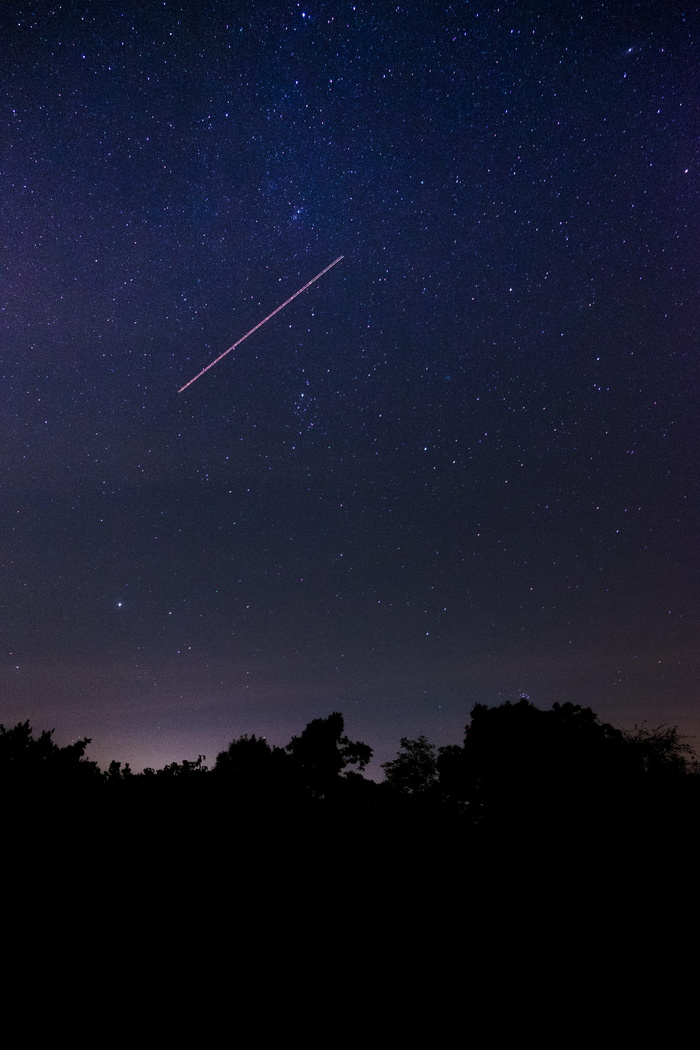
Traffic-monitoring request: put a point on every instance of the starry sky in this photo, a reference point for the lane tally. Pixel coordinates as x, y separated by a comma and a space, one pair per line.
461, 467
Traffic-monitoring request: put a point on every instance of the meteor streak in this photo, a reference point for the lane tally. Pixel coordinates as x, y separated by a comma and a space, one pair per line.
261, 323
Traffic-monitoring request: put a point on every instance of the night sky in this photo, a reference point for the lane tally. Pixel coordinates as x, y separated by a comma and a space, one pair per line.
461, 467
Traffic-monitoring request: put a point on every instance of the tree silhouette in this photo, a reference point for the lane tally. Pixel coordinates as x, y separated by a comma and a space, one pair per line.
254, 771
116, 772
244, 758
179, 770
662, 753
37, 762
525, 774
414, 770
532, 767
321, 753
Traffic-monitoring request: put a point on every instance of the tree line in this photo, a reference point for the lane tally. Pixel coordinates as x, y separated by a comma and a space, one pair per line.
519, 768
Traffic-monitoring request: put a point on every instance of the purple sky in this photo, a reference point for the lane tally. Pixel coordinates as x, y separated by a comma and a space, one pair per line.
461, 466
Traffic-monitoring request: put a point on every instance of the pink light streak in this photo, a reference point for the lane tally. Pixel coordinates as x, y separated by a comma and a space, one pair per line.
261, 323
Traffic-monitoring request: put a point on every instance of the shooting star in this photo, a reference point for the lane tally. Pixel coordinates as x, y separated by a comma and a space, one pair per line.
261, 323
